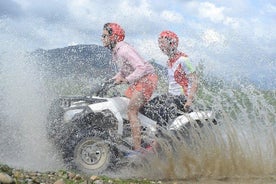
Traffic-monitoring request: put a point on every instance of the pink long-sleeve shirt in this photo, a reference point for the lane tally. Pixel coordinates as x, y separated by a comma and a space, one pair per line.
131, 65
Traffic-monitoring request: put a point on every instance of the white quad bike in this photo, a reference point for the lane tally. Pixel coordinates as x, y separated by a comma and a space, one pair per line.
93, 134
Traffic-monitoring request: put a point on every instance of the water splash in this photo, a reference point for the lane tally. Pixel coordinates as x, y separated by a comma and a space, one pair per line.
242, 145
23, 140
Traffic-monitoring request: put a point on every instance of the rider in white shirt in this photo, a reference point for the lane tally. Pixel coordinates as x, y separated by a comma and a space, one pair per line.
181, 74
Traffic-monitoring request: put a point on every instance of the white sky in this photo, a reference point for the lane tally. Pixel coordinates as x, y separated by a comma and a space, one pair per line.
231, 37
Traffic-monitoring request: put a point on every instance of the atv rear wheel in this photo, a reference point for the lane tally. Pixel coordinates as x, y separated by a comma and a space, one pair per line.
92, 155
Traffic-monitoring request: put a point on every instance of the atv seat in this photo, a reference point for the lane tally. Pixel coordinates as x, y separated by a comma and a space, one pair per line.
164, 108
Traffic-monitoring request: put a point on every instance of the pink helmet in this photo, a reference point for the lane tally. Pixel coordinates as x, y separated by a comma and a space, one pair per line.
170, 36
116, 32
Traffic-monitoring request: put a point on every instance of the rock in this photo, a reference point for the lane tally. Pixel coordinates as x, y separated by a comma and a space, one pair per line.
98, 182
60, 181
5, 179
71, 175
93, 178
18, 174
78, 177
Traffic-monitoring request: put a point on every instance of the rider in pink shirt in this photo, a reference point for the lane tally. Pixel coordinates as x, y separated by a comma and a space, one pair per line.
133, 70
132, 65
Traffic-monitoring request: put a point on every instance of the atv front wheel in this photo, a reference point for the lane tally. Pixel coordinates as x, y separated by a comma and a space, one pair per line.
92, 155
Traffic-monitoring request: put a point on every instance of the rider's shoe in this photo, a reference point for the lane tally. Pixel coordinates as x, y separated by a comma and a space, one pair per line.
142, 152
133, 154
149, 149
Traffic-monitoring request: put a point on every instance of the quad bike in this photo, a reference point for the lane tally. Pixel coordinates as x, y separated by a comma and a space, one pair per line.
93, 134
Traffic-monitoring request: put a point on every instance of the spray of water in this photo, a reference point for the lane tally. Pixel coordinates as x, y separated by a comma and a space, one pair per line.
24, 104
241, 145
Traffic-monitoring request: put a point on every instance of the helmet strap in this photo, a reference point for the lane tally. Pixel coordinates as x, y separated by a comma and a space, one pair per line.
112, 45
173, 52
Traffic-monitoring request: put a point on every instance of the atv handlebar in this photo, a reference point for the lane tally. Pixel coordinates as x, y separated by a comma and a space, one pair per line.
103, 88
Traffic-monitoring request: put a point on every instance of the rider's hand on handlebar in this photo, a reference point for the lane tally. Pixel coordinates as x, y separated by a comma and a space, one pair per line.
187, 106
120, 80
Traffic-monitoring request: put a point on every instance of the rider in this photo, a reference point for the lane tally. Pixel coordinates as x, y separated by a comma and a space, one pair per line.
182, 78
134, 71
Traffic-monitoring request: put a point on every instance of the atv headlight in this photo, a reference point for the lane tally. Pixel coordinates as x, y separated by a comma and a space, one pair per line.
68, 115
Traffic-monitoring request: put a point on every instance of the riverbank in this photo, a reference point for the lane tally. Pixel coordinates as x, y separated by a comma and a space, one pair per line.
20, 176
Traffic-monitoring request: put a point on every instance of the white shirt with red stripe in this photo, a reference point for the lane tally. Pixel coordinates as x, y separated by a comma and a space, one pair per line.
178, 70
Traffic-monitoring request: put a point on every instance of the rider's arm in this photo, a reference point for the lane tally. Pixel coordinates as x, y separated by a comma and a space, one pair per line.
140, 66
194, 86
193, 81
